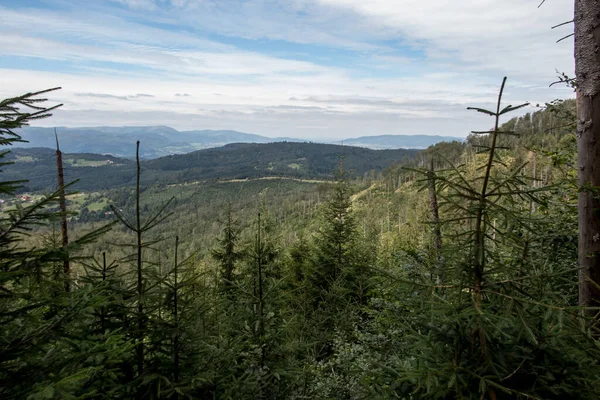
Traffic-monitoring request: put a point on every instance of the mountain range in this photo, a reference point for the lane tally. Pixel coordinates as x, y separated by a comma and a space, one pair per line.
382, 142
158, 141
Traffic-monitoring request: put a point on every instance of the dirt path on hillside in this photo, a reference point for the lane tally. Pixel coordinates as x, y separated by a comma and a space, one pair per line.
362, 193
264, 178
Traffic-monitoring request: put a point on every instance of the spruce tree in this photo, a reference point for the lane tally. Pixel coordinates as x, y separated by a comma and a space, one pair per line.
139, 227
501, 325
46, 348
336, 238
227, 254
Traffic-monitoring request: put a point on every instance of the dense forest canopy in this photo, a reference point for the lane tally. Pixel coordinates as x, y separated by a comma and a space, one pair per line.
398, 282
234, 161
309, 271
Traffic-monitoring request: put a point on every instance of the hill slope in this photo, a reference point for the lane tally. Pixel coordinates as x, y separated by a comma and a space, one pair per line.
399, 141
234, 161
160, 141
120, 141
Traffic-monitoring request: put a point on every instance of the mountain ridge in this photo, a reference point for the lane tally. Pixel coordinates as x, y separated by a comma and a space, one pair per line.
162, 140
233, 161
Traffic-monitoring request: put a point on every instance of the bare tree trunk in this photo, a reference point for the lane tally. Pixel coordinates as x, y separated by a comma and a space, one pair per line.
63, 215
587, 70
434, 208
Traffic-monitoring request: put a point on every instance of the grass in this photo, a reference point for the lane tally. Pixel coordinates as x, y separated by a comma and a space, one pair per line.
98, 205
25, 159
82, 162
93, 202
76, 199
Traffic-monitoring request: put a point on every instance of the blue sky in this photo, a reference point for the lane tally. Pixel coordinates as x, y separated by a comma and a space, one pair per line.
314, 69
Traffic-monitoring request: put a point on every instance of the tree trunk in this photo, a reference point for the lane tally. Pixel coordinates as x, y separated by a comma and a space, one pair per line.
62, 201
587, 70
434, 209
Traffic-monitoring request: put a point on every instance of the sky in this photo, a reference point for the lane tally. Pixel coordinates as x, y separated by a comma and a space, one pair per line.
312, 69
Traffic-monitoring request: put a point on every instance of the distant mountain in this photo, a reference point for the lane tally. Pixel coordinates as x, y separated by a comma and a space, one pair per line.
233, 161
158, 141
399, 141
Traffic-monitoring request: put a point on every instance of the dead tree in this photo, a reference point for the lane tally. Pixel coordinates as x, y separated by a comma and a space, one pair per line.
63, 215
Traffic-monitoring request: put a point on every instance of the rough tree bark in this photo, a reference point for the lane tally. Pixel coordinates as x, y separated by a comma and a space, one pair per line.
434, 209
587, 71
436, 271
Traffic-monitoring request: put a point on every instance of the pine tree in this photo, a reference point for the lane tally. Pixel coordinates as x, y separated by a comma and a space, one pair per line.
141, 315
501, 325
227, 254
335, 240
44, 329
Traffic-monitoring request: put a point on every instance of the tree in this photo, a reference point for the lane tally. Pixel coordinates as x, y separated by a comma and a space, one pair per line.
587, 71
139, 228
63, 217
44, 330
227, 254
336, 239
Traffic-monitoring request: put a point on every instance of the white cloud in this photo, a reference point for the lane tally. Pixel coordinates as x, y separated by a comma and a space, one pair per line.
137, 4
272, 107
510, 36
100, 27
457, 54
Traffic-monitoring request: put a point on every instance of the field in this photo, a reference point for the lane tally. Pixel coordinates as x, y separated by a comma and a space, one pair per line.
82, 162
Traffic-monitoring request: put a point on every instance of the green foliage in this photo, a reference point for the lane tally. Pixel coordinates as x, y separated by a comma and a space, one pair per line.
503, 322
336, 238
315, 289
232, 162
44, 335
227, 254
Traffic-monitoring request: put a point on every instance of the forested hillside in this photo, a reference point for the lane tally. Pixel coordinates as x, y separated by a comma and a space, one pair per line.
160, 141
234, 161
446, 273
120, 141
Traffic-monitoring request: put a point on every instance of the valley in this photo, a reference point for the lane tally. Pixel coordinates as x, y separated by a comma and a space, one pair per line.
298, 200
235, 161
299, 268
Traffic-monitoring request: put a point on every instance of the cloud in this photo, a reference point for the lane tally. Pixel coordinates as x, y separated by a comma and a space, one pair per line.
137, 4
285, 68
151, 4
102, 96
187, 62
512, 36
331, 99
318, 124
112, 96
103, 27
288, 107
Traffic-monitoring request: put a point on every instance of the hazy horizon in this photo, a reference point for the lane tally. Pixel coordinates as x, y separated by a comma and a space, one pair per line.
44, 124
302, 68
